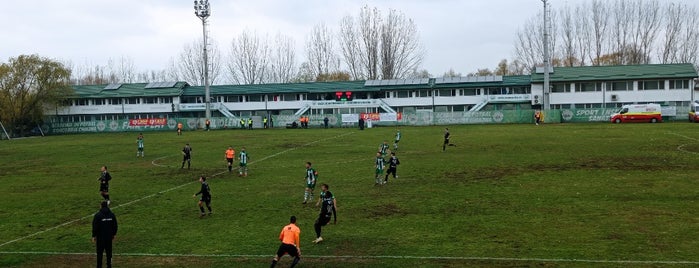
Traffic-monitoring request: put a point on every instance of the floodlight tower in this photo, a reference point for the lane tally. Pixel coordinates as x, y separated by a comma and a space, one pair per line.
203, 10
547, 60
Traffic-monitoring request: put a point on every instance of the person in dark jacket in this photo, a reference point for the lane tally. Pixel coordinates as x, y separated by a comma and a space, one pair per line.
104, 229
205, 196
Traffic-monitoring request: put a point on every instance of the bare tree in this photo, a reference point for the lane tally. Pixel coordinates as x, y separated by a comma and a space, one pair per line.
600, 22
673, 23
378, 47
689, 45
529, 44
451, 73
568, 38
190, 63
351, 48
320, 50
582, 34
249, 59
647, 24
401, 50
283, 60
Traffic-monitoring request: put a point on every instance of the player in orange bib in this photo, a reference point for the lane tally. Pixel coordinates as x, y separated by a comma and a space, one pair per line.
291, 243
230, 156
179, 129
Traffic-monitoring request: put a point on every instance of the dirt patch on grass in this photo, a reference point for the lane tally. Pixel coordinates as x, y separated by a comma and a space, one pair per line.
385, 210
290, 145
497, 173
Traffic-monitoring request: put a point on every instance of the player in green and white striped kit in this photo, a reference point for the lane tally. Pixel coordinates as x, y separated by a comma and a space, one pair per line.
395, 142
243, 170
311, 178
139, 142
379, 165
383, 148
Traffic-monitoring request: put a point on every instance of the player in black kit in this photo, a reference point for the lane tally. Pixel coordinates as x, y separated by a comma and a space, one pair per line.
186, 156
104, 184
393, 163
205, 196
327, 210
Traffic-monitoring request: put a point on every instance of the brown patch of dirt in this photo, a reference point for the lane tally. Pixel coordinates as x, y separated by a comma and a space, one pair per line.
385, 210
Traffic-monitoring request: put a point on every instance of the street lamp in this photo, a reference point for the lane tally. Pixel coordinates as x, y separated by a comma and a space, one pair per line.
203, 10
547, 61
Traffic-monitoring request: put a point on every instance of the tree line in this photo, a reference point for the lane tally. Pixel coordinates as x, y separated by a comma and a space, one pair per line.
370, 45
618, 32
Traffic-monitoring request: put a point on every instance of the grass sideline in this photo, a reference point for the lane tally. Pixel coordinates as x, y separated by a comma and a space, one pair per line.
567, 191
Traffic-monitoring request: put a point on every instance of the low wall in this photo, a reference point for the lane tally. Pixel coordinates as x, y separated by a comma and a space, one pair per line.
335, 120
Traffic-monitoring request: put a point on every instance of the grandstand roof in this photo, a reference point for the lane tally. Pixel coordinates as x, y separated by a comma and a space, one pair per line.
129, 90
560, 74
619, 72
315, 87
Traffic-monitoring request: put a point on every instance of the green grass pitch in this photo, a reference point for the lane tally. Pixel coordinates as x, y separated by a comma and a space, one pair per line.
566, 195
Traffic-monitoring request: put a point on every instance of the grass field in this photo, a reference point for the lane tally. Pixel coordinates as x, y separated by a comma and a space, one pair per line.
567, 195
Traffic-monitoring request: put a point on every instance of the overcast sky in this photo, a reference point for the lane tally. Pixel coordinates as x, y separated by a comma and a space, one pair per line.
461, 34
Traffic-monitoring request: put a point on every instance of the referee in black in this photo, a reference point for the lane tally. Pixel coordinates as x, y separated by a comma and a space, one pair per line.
104, 183
104, 229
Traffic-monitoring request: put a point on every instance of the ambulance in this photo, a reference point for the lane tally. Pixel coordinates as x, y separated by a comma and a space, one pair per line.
694, 112
649, 113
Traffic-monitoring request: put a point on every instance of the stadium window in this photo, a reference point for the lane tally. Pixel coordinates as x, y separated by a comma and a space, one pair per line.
255, 98
649, 85
588, 87
470, 91
446, 93
560, 87
289, 97
619, 86
81, 102
150, 100
234, 98
521, 90
165, 100
679, 84
131, 101
423, 93
494, 91
403, 94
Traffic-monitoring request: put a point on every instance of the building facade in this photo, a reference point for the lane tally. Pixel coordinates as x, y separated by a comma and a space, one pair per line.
571, 88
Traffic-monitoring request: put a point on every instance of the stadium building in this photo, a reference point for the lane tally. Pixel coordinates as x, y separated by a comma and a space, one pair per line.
572, 88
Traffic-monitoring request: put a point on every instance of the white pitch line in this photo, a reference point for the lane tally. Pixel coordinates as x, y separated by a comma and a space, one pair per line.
164, 191
683, 136
159, 165
473, 258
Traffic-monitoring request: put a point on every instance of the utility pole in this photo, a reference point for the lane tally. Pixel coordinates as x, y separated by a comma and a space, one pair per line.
547, 59
203, 10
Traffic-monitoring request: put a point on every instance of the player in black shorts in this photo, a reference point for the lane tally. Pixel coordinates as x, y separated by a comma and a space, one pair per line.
291, 243
446, 139
327, 210
187, 156
393, 163
104, 184
205, 196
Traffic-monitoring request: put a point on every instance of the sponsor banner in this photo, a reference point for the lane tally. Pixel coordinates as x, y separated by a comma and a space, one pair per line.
350, 118
381, 116
668, 110
510, 98
587, 115
116, 125
148, 122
